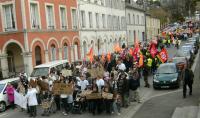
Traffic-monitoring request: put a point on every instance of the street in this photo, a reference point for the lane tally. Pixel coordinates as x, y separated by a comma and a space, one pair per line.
147, 108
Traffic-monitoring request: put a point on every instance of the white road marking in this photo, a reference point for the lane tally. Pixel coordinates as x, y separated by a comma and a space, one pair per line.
3, 115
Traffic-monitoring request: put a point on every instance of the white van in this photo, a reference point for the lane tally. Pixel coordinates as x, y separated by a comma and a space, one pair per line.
44, 69
3, 96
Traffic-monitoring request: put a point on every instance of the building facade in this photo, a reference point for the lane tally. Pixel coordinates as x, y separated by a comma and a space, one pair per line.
135, 20
33, 32
102, 25
153, 26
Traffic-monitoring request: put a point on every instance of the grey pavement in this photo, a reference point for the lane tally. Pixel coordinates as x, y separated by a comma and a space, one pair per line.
145, 94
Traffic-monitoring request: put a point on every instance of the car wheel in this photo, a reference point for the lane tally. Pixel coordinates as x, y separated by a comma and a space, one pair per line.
155, 87
2, 106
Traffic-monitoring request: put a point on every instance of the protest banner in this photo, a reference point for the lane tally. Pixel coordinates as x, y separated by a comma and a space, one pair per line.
20, 100
62, 88
93, 96
107, 95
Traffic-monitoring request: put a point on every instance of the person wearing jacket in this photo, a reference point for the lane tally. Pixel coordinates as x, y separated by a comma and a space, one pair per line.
134, 83
188, 76
123, 88
145, 74
32, 100
10, 93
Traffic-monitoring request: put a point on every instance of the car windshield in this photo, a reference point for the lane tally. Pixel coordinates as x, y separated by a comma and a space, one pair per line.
40, 72
167, 69
2, 87
186, 48
178, 60
182, 53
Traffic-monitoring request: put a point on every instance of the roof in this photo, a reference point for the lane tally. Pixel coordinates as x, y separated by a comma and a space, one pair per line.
52, 63
8, 80
169, 64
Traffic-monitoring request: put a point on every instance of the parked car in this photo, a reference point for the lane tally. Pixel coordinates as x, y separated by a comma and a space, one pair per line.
186, 49
44, 69
3, 96
181, 53
166, 76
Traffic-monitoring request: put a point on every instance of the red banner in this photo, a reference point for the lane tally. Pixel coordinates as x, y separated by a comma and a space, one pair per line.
163, 55
90, 55
153, 50
141, 60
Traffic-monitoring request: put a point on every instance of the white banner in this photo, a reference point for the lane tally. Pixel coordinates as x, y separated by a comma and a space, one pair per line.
20, 100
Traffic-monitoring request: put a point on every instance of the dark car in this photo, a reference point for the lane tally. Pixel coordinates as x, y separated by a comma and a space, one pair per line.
166, 76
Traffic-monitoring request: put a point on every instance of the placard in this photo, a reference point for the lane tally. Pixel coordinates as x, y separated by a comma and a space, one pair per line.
107, 95
56, 89
62, 88
93, 96
84, 93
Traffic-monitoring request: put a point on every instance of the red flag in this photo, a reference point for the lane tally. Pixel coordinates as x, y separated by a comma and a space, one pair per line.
141, 60
117, 48
153, 50
90, 55
135, 53
163, 55
131, 51
109, 56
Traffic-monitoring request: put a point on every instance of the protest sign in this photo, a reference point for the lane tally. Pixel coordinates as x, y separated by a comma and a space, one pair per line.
93, 96
62, 88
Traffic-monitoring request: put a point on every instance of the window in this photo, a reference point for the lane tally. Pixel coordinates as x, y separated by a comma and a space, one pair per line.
50, 17
123, 21
65, 51
53, 52
35, 21
83, 19
97, 20
141, 20
138, 19
84, 48
108, 21
129, 18
90, 19
118, 23
74, 19
63, 19
133, 19
104, 20
9, 20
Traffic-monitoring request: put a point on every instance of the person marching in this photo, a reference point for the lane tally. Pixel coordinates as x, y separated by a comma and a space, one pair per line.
32, 100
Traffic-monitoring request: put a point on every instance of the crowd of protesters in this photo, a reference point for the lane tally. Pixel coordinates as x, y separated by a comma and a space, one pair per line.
118, 74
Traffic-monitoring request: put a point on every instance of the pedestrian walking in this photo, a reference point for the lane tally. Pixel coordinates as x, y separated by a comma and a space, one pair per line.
145, 75
134, 85
188, 76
